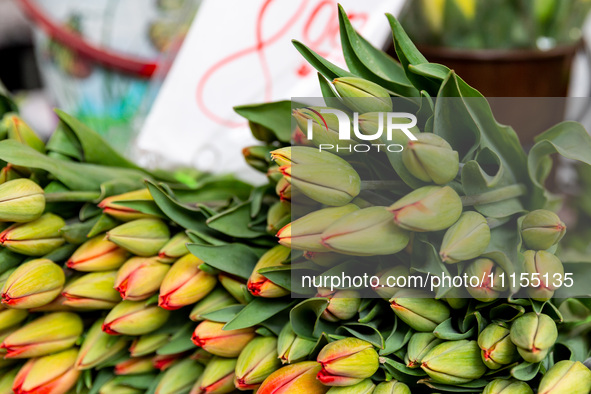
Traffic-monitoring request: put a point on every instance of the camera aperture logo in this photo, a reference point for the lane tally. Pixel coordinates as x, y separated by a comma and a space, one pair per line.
333, 130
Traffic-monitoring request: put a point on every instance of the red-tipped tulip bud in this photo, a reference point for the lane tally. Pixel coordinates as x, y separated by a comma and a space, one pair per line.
467, 239
139, 278
534, 335
279, 215
134, 366
143, 237
92, 291
180, 377
215, 300
147, 344
257, 360
421, 313
545, 267
163, 362
431, 159
17, 129
388, 290
346, 362
258, 157
52, 374
342, 304
33, 284
97, 254
490, 285
35, 238
45, 335
175, 248
294, 379
325, 128
21, 200
224, 343
541, 229
134, 318
454, 362
496, 346
98, 347
110, 206
217, 378
185, 283
258, 284
292, 348
418, 346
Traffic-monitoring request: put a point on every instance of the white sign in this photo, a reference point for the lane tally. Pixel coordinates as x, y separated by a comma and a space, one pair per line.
240, 52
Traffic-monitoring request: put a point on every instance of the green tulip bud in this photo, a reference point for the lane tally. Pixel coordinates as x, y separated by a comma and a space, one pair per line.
385, 291
279, 215
257, 360
6, 381
175, 248
45, 335
487, 290
139, 278
148, 343
17, 129
33, 284
185, 284
111, 208
258, 157
454, 362
11, 317
217, 378
325, 128
21, 200
180, 377
305, 233
362, 96
346, 362
418, 346
422, 314
98, 347
366, 232
35, 238
429, 208
541, 229
431, 159
392, 387
54, 373
342, 304
115, 386
566, 377
467, 239
134, 318
534, 335
543, 266
235, 286
212, 337
292, 348
215, 300
366, 386
134, 366
92, 291
261, 286
97, 254
294, 378
505, 386
143, 237
496, 346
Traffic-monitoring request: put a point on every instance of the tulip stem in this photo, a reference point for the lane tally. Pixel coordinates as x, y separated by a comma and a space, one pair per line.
72, 196
383, 185
501, 194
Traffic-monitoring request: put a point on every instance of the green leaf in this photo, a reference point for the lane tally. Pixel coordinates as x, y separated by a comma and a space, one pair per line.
179, 342
7, 104
61, 254
275, 116
525, 371
102, 377
331, 99
403, 368
234, 222
280, 275
9, 260
257, 311
364, 331
323, 66
397, 339
236, 259
141, 381
219, 188
447, 331
305, 319
143, 206
104, 223
225, 314
76, 232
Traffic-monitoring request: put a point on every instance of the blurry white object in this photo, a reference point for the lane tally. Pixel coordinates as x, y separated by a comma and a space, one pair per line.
240, 52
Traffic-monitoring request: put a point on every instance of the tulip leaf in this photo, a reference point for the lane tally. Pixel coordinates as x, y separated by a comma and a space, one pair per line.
275, 116
140, 381
447, 331
104, 223
75, 232
257, 311
64, 143
203, 238
234, 222
425, 259
179, 342
573, 348
323, 66
280, 275
305, 319
103, 376
9, 260
276, 323
506, 312
214, 189
470, 387
60, 254
236, 259
7, 104
143, 206
525, 371
331, 98
397, 339
365, 332
398, 366
223, 315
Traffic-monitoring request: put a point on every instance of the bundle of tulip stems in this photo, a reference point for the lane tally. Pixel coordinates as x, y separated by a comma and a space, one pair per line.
115, 279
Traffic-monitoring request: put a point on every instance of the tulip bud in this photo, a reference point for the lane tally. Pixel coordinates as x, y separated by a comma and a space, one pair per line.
257, 360
6, 380
392, 387
431, 159
11, 317
235, 286
134, 366
33, 284
365, 232
346, 362
362, 96
504, 386
323, 259
217, 378
21, 200
488, 289
17, 129
283, 189
418, 346
215, 300
541, 229
496, 346
98, 347
258, 284
467, 239
533, 335
293, 379
180, 377
185, 283
35, 238
175, 248
305, 233
148, 343
342, 304
201, 356
10, 173
110, 206
454, 362
325, 128
385, 290
366, 386
566, 377
115, 386
292, 348
92, 291
422, 314
143, 237
258, 157
429, 208
97, 254
54, 373
279, 215
544, 266
139, 278
224, 343
134, 318
45, 335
